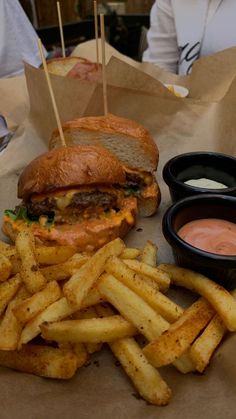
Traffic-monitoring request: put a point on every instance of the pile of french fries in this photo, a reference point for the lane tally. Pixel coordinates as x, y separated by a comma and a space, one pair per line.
58, 307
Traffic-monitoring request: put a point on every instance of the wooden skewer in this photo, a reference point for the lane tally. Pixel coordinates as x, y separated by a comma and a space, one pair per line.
104, 78
61, 29
63, 142
96, 29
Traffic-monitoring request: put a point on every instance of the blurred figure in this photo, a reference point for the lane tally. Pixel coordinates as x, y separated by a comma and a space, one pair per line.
18, 39
183, 30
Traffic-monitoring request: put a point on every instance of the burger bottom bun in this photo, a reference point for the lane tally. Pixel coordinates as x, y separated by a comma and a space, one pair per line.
86, 236
149, 200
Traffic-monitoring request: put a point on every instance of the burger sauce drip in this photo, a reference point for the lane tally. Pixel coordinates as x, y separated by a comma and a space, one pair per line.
211, 234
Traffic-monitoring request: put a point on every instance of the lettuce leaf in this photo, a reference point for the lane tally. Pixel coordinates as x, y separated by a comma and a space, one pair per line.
21, 213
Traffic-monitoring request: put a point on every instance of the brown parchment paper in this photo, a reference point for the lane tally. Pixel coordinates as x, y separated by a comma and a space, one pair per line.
102, 390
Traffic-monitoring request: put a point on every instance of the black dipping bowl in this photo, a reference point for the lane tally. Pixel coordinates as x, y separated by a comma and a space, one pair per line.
214, 166
219, 268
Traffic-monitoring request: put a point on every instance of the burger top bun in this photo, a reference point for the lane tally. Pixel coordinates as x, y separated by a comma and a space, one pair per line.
128, 140
62, 66
70, 166
76, 68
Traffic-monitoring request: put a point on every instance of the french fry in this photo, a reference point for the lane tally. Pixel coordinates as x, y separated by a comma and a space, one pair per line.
130, 253
93, 297
6, 249
53, 313
52, 255
145, 378
15, 264
41, 360
178, 338
64, 270
132, 307
29, 308
222, 301
205, 345
5, 268
94, 330
149, 254
7, 291
77, 288
10, 327
82, 354
162, 279
80, 351
30, 273
88, 313
139, 313
158, 301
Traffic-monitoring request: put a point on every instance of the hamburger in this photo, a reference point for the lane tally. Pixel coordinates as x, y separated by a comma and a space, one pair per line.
76, 68
131, 143
73, 196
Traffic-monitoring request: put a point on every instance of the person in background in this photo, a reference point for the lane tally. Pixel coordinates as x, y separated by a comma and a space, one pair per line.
181, 31
18, 39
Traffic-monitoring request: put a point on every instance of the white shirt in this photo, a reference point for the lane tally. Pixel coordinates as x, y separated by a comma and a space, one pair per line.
220, 32
183, 30
18, 39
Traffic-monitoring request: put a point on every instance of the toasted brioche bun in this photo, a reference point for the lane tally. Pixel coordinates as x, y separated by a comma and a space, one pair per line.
62, 66
129, 141
150, 200
86, 236
70, 166
75, 67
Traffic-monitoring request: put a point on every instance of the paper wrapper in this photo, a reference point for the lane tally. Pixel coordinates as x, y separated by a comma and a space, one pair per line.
102, 389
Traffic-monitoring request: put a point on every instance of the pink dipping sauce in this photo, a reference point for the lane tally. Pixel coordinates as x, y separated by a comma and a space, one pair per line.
211, 234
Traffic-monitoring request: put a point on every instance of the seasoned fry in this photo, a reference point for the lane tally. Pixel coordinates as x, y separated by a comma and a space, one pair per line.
158, 301
29, 308
41, 360
132, 307
6, 249
145, 378
30, 273
93, 297
77, 288
88, 330
80, 351
52, 255
88, 313
15, 264
178, 338
7, 291
162, 279
219, 297
139, 313
149, 254
5, 268
130, 253
64, 270
53, 313
205, 345
10, 327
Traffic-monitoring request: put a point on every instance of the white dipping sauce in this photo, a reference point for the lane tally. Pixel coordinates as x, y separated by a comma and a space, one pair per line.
205, 183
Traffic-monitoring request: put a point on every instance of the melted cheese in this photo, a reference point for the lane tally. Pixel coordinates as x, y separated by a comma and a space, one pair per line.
92, 232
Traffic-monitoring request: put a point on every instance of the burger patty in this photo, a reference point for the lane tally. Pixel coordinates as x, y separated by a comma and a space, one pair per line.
80, 201
134, 180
